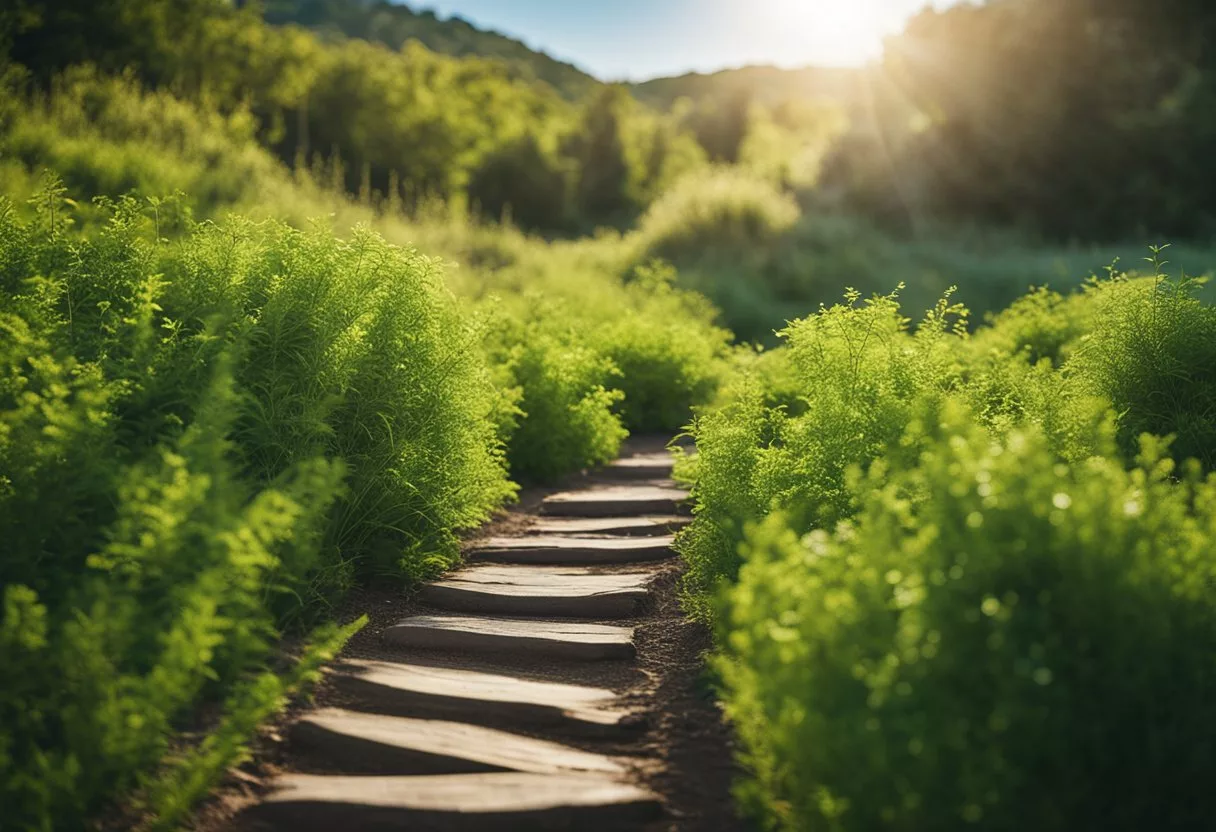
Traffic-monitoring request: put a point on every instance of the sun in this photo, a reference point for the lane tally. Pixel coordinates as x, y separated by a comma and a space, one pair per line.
840, 32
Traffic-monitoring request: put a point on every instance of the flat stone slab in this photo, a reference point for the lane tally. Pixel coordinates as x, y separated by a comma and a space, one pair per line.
499, 801
535, 639
485, 698
655, 525
615, 501
540, 591
656, 466
552, 549
355, 743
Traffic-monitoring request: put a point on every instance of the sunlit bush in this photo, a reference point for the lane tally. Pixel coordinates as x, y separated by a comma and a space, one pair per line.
714, 210
860, 374
996, 641
1152, 354
565, 415
200, 441
670, 354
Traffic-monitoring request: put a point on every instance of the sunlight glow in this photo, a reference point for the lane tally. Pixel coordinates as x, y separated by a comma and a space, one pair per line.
838, 32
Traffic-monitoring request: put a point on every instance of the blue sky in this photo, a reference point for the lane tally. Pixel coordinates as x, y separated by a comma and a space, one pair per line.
637, 39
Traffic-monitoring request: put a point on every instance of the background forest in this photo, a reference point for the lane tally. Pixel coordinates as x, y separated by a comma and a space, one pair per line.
295, 293
997, 145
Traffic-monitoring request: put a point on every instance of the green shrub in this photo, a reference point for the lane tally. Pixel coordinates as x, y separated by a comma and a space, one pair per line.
1041, 324
1153, 356
715, 210
997, 641
200, 441
668, 350
107, 135
566, 415
859, 374
354, 350
155, 604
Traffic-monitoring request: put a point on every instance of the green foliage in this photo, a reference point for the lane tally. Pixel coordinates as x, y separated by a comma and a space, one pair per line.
995, 641
1152, 354
668, 351
944, 570
199, 441
169, 600
716, 210
354, 350
1041, 324
393, 24
170, 795
525, 184
108, 135
566, 418
607, 185
861, 377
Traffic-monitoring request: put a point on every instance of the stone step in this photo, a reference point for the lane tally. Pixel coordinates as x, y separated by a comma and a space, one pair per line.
539, 549
497, 801
485, 699
656, 466
655, 525
615, 501
545, 640
358, 743
540, 591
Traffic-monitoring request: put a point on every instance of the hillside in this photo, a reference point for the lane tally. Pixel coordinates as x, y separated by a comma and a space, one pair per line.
763, 84
393, 24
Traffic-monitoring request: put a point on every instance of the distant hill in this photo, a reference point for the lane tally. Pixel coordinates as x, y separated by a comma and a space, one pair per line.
392, 24
763, 84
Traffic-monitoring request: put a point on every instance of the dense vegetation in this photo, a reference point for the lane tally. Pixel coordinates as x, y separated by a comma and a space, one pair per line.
277, 319
401, 125
965, 580
393, 24
219, 411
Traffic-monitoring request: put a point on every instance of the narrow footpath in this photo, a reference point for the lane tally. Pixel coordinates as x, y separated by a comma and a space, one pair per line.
551, 683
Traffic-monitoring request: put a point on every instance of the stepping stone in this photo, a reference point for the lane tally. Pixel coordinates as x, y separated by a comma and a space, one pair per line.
484, 698
627, 526
500, 801
656, 466
540, 591
615, 501
355, 742
538, 549
534, 639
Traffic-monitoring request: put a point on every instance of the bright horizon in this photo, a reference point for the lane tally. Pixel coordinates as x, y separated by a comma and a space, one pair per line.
636, 40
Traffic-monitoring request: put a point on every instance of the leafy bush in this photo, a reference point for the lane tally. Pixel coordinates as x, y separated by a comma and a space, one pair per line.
1041, 324
944, 600
669, 353
157, 600
566, 415
200, 440
712, 210
354, 350
860, 374
1153, 356
997, 641
108, 135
